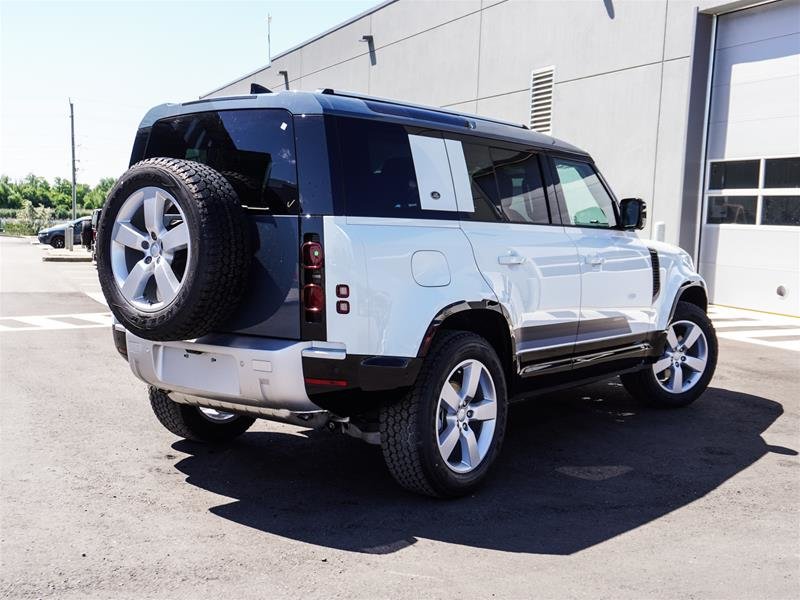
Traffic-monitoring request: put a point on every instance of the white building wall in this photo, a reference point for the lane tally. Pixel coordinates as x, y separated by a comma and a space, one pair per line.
622, 80
477, 56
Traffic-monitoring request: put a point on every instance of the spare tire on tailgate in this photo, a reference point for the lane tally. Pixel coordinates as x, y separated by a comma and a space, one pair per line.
173, 249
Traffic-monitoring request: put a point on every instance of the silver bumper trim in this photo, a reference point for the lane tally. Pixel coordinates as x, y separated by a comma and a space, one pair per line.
245, 372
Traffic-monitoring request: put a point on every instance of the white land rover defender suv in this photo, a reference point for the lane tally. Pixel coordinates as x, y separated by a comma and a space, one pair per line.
396, 272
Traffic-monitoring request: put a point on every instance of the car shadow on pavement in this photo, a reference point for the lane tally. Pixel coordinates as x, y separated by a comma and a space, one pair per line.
576, 469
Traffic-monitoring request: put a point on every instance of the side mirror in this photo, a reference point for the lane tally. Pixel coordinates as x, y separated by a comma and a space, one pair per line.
633, 212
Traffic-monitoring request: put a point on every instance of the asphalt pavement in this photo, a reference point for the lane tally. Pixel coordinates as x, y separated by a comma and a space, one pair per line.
593, 496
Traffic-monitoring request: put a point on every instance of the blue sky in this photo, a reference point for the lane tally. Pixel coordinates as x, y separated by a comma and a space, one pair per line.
117, 59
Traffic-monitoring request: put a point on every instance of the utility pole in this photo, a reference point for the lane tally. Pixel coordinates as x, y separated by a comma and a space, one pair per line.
74, 189
269, 43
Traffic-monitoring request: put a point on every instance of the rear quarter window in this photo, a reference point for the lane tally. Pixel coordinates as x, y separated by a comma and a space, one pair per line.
377, 168
253, 149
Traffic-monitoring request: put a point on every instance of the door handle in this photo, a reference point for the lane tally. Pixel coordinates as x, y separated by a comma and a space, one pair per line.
512, 258
595, 260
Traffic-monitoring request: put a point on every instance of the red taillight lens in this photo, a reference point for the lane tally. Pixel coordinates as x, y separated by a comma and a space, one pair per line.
312, 255
313, 299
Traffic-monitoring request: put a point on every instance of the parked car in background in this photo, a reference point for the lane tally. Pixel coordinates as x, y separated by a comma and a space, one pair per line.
55, 235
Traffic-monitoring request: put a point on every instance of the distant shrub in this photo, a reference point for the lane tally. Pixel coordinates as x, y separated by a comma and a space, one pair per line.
31, 219
17, 228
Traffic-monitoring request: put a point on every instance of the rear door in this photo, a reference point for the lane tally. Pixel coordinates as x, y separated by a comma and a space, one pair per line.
520, 247
254, 149
616, 268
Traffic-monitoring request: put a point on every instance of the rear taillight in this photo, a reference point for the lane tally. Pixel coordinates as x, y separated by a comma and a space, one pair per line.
312, 255
313, 259
313, 299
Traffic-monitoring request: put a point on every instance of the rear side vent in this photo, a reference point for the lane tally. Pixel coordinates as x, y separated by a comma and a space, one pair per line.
656, 272
542, 100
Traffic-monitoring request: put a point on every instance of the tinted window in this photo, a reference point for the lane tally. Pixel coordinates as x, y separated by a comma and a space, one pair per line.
587, 202
377, 169
782, 172
736, 174
482, 182
732, 209
520, 188
252, 149
780, 210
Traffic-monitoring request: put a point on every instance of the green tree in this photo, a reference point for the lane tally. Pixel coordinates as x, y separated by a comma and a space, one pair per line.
9, 196
36, 190
97, 197
58, 195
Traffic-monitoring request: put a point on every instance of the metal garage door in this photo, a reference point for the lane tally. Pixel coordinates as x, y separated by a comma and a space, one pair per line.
750, 238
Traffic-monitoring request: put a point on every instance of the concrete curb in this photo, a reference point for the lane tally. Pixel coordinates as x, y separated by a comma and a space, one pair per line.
66, 256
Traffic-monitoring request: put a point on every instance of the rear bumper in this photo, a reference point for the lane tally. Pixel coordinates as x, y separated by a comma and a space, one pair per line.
259, 375
247, 371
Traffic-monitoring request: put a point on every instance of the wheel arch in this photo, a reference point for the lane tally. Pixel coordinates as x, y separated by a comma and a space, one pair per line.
693, 292
484, 318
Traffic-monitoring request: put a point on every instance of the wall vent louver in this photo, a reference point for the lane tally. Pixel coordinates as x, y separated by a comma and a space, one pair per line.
542, 100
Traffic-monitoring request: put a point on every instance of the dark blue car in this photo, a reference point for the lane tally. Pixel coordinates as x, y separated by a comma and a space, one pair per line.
55, 235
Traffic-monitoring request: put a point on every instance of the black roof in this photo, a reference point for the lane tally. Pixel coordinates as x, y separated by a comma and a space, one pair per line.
350, 104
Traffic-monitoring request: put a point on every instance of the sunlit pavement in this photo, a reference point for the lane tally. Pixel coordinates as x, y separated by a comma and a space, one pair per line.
594, 497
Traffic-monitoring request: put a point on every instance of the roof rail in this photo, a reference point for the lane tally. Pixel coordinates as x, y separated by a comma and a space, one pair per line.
344, 94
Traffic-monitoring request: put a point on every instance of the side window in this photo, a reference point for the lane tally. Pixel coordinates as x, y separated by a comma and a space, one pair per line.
587, 202
482, 182
520, 187
506, 185
377, 169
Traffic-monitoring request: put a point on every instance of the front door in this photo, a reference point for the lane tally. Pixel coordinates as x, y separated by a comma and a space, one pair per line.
521, 249
616, 267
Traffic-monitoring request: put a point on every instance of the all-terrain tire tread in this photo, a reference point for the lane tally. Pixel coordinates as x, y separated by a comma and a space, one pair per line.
402, 450
186, 421
226, 256
169, 414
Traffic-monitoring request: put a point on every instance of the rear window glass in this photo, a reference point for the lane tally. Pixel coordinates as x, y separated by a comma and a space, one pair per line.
253, 149
378, 174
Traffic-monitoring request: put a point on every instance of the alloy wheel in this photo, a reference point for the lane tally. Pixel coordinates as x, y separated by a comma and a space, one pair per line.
685, 357
466, 416
216, 416
150, 249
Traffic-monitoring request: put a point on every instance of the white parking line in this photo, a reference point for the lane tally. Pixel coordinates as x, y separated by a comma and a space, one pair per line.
763, 329
54, 322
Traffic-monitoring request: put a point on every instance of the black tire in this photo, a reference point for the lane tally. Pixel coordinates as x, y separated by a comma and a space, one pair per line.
408, 428
189, 423
57, 241
644, 386
220, 250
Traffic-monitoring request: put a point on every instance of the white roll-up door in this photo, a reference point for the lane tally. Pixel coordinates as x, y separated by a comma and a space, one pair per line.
750, 238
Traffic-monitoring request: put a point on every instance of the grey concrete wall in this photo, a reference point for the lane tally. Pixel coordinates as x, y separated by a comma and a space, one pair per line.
622, 75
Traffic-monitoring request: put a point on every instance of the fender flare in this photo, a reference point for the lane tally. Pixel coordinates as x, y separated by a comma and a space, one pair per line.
681, 290
460, 307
